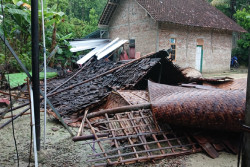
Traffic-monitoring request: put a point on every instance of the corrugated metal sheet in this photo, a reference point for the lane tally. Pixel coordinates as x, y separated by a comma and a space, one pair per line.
102, 48
91, 54
111, 49
86, 44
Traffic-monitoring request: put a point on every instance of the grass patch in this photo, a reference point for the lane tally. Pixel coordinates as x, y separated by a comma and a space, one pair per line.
17, 79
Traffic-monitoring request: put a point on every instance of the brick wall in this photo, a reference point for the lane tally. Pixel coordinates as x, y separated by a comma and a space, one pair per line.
217, 46
130, 21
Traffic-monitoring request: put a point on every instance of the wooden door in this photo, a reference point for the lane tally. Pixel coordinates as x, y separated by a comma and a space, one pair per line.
199, 58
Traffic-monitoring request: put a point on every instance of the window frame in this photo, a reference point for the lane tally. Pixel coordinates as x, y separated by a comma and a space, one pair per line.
173, 42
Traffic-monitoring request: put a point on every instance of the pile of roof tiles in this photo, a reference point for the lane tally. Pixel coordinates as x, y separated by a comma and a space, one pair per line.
94, 92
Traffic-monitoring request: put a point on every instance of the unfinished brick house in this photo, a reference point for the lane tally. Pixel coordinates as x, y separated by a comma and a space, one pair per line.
200, 35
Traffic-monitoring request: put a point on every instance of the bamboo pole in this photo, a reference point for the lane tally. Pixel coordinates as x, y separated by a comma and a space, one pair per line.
96, 137
14, 95
80, 132
17, 114
89, 137
15, 117
119, 110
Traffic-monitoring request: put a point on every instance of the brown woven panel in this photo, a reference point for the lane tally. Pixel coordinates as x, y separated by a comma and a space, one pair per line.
211, 109
134, 97
237, 84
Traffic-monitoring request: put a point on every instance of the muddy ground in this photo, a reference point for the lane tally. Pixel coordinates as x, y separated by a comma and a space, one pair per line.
61, 151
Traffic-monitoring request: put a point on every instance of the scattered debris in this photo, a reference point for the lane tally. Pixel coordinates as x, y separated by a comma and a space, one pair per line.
135, 137
54, 129
5, 102
93, 93
131, 124
191, 73
237, 84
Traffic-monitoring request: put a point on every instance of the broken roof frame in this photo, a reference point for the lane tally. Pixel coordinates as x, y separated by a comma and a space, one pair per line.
136, 138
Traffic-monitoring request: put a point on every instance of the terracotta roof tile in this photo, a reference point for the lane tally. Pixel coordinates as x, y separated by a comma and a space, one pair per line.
189, 12
186, 12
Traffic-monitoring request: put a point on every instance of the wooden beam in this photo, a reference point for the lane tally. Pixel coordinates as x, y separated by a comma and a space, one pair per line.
119, 110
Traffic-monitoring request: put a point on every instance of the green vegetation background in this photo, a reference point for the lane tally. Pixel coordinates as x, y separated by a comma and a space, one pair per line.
70, 19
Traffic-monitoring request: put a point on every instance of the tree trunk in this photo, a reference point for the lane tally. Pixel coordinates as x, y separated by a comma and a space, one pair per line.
40, 36
53, 44
232, 8
53, 38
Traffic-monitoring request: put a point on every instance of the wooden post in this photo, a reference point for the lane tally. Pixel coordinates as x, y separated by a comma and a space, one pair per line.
35, 68
246, 147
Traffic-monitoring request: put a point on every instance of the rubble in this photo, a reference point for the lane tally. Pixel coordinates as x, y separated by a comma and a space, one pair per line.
4, 101
135, 137
93, 93
111, 99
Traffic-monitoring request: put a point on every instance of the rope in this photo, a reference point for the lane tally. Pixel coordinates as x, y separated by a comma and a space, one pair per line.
45, 74
12, 119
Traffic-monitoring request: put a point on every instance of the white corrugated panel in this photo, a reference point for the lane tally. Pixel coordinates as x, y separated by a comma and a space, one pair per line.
111, 49
87, 44
91, 54
108, 45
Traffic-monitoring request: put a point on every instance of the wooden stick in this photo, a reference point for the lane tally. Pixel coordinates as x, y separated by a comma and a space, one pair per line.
2, 114
13, 95
80, 132
96, 138
113, 134
119, 110
89, 137
129, 139
21, 115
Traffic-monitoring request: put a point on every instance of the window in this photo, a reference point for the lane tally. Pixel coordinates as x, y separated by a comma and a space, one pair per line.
173, 46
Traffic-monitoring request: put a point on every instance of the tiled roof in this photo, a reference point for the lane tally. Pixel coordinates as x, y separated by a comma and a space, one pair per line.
188, 12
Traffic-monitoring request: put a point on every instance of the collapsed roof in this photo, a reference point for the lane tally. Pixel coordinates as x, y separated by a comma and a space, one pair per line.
90, 94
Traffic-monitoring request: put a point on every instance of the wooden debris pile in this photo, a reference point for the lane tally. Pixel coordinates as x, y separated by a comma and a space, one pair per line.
116, 107
132, 137
130, 134
93, 93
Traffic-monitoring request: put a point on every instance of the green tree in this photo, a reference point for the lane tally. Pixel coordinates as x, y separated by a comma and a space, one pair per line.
242, 51
64, 19
229, 7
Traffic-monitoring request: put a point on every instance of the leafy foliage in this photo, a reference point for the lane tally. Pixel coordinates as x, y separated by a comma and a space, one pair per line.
229, 7
64, 19
242, 51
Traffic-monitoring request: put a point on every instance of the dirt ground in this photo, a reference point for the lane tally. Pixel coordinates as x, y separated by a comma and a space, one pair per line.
61, 151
